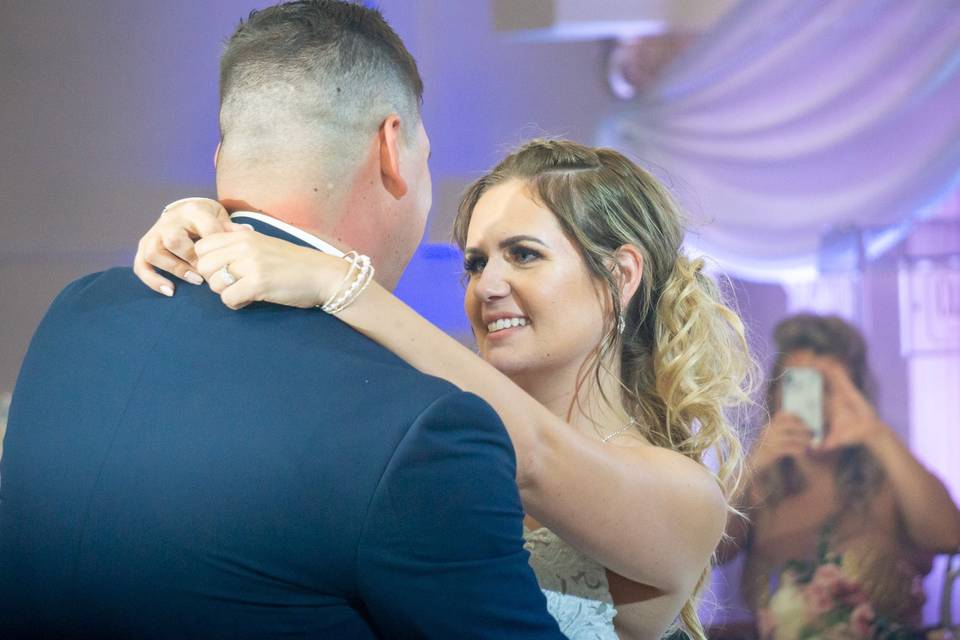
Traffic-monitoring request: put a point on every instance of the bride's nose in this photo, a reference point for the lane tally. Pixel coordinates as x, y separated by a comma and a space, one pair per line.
492, 283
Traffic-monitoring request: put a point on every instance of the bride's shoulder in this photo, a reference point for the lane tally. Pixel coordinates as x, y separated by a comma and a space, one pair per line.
692, 482
641, 450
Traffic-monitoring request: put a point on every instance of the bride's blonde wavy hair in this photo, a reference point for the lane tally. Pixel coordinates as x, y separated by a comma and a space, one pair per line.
684, 360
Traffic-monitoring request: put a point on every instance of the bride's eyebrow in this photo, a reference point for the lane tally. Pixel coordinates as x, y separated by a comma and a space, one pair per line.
506, 243
512, 240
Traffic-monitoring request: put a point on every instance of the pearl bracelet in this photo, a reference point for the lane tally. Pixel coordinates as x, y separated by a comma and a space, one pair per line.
359, 277
351, 259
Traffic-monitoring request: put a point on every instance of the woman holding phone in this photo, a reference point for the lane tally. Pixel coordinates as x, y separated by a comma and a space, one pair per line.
856, 495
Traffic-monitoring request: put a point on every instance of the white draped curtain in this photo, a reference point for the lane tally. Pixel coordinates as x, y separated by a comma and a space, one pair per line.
803, 132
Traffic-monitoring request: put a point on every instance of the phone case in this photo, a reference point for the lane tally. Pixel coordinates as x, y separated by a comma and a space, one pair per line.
803, 397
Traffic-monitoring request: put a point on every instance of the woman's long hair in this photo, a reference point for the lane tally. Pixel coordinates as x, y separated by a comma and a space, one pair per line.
684, 360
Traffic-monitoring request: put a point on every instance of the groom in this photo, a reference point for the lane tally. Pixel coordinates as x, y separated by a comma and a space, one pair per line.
174, 469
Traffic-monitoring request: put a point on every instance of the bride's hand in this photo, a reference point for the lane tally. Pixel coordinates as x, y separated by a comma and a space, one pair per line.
245, 266
169, 244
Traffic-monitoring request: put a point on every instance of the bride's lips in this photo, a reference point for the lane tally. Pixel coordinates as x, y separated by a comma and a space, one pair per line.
504, 325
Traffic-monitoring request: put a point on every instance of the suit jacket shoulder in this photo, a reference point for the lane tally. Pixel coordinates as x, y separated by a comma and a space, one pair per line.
206, 457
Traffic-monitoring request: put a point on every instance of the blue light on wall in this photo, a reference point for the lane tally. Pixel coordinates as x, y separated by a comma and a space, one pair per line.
432, 284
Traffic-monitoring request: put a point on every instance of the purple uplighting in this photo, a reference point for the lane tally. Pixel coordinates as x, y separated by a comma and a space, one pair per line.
813, 146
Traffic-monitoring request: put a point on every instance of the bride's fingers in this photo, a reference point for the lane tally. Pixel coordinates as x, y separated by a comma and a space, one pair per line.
151, 255
234, 226
219, 241
185, 221
239, 295
177, 241
163, 259
221, 267
203, 223
154, 251
219, 281
201, 216
143, 270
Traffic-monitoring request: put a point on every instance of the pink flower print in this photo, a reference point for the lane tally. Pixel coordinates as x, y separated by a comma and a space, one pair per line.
849, 592
819, 598
861, 620
827, 575
829, 588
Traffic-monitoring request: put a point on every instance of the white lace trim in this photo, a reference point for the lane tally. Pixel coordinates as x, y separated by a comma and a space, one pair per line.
575, 586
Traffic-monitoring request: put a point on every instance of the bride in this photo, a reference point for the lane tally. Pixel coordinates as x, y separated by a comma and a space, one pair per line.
608, 354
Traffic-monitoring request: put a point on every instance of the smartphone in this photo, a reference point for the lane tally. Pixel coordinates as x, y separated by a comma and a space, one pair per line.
802, 389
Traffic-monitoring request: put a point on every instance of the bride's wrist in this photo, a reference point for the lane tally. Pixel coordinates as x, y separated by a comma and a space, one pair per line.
357, 273
330, 276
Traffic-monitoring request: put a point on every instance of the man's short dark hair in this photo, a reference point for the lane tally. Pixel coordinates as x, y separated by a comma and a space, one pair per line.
333, 67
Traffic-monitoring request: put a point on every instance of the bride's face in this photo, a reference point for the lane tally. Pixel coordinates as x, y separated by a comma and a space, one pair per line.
531, 301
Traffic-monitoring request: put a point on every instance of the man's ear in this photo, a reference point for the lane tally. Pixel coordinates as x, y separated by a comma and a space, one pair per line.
390, 157
216, 155
629, 271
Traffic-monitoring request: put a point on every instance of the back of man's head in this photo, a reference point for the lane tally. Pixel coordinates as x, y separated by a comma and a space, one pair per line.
309, 81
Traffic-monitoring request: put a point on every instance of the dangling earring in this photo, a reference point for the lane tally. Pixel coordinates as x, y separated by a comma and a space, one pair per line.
621, 324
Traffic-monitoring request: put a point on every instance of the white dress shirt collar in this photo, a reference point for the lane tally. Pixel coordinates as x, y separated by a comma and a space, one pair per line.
309, 238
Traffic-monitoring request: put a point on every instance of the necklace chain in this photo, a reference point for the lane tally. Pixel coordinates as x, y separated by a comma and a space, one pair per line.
611, 436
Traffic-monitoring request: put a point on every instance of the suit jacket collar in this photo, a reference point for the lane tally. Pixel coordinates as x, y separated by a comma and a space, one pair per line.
270, 226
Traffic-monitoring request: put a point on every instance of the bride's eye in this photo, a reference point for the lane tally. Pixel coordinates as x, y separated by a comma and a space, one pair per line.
474, 264
524, 255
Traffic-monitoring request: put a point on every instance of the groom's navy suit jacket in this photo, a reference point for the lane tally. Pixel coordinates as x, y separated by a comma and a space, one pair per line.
175, 469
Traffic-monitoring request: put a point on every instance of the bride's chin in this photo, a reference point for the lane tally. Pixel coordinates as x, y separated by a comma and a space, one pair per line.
505, 363
517, 371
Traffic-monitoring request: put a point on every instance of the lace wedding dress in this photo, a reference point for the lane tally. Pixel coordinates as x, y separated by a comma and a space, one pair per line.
578, 595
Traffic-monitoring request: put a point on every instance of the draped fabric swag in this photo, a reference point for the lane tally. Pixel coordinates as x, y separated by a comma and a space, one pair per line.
805, 133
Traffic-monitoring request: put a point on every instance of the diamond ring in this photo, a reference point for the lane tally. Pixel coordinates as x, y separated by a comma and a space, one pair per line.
226, 276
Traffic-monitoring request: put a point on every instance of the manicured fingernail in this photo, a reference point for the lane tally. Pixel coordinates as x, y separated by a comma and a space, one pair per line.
248, 226
166, 290
193, 278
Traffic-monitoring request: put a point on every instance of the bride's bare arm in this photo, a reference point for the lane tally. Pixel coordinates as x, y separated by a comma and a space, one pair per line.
647, 513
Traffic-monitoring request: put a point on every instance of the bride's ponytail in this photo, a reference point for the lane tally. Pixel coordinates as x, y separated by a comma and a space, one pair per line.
702, 372
702, 368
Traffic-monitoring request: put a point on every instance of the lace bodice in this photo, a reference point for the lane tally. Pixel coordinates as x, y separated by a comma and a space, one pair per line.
576, 588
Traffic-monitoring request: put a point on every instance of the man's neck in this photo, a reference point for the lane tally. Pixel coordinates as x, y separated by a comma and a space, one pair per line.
289, 213
345, 222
